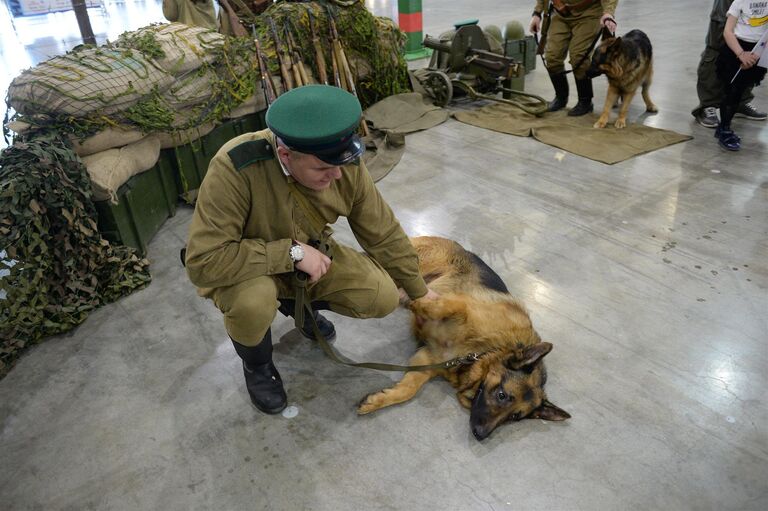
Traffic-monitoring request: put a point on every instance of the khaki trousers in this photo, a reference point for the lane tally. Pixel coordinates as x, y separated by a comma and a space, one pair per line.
572, 35
355, 286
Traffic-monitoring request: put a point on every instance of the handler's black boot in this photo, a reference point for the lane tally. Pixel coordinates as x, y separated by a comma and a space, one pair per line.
261, 377
326, 328
584, 106
560, 83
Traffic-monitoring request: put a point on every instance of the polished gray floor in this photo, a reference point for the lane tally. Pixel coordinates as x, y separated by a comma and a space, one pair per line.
649, 276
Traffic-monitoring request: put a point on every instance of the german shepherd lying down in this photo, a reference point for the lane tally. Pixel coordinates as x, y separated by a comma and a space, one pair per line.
627, 62
474, 314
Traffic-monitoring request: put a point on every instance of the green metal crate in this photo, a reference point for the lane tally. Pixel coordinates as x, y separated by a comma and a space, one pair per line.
149, 198
522, 50
144, 202
191, 160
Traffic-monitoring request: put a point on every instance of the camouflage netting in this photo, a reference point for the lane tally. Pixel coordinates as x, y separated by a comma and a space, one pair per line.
168, 78
159, 78
56, 268
173, 77
373, 44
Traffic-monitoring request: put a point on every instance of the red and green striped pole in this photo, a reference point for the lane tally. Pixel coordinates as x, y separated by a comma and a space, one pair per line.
410, 21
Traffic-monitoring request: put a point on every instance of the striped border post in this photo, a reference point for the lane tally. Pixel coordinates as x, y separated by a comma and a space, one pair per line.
410, 21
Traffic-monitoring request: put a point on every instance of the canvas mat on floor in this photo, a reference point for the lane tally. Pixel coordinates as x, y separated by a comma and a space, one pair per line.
574, 134
390, 120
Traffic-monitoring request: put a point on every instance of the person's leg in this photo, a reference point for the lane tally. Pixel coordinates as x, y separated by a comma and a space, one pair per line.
558, 39
355, 286
747, 109
709, 89
249, 308
327, 330
584, 31
726, 137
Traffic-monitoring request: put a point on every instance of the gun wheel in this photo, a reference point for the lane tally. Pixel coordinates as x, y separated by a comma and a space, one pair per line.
439, 86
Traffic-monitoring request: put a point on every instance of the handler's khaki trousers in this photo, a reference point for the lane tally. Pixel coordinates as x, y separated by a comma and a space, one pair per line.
572, 36
355, 286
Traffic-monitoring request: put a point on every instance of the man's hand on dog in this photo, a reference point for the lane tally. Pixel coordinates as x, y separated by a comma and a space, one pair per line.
405, 299
315, 263
607, 21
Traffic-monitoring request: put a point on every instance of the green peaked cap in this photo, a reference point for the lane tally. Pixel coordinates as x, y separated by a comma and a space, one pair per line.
318, 119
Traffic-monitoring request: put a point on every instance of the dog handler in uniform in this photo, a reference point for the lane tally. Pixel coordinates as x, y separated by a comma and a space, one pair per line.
262, 214
573, 27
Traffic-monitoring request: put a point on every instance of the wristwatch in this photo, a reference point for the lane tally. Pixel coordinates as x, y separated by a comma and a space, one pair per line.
537, 14
296, 252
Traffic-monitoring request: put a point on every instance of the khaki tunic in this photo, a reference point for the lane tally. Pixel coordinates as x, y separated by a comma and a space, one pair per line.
243, 226
572, 35
200, 14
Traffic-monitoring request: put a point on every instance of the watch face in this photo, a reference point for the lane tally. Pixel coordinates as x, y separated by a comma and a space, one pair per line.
296, 253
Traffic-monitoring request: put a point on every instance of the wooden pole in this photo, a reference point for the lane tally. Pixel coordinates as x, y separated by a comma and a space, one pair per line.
83, 21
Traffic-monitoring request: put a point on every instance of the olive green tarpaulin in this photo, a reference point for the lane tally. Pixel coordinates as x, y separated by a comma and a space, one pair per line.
55, 268
390, 119
574, 134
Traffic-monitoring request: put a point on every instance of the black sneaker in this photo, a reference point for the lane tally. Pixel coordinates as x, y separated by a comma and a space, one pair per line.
748, 111
265, 388
727, 139
326, 327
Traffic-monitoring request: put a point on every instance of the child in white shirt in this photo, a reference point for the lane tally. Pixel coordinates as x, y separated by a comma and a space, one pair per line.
746, 24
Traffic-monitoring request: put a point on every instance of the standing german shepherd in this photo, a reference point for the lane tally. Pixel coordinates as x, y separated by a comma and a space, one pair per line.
474, 314
628, 63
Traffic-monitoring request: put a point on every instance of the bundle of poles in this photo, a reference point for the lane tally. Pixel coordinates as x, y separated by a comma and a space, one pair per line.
293, 71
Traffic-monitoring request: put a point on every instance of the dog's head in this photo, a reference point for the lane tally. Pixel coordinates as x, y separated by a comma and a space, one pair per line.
512, 390
505, 384
605, 58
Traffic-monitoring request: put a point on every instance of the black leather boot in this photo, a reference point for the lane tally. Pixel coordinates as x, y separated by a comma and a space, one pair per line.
326, 328
261, 377
584, 106
560, 83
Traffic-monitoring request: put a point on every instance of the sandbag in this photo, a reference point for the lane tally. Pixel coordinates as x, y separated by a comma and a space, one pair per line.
110, 169
86, 80
192, 89
181, 137
182, 47
105, 139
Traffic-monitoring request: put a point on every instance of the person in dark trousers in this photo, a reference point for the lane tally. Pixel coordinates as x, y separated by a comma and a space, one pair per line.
709, 87
574, 26
737, 67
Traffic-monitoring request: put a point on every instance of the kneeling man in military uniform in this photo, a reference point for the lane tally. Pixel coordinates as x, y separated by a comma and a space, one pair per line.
262, 215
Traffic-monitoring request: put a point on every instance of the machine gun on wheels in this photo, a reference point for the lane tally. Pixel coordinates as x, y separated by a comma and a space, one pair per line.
466, 65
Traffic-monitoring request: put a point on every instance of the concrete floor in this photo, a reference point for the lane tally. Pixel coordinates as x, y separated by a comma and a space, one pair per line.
649, 276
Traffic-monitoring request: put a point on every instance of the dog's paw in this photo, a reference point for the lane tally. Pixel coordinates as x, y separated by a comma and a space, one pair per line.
620, 123
651, 108
371, 403
600, 123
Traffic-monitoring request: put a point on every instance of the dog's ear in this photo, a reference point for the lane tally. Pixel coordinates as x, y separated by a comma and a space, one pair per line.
549, 412
528, 356
614, 42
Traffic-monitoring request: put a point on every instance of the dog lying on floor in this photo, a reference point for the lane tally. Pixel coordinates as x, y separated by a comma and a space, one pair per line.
474, 314
627, 62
